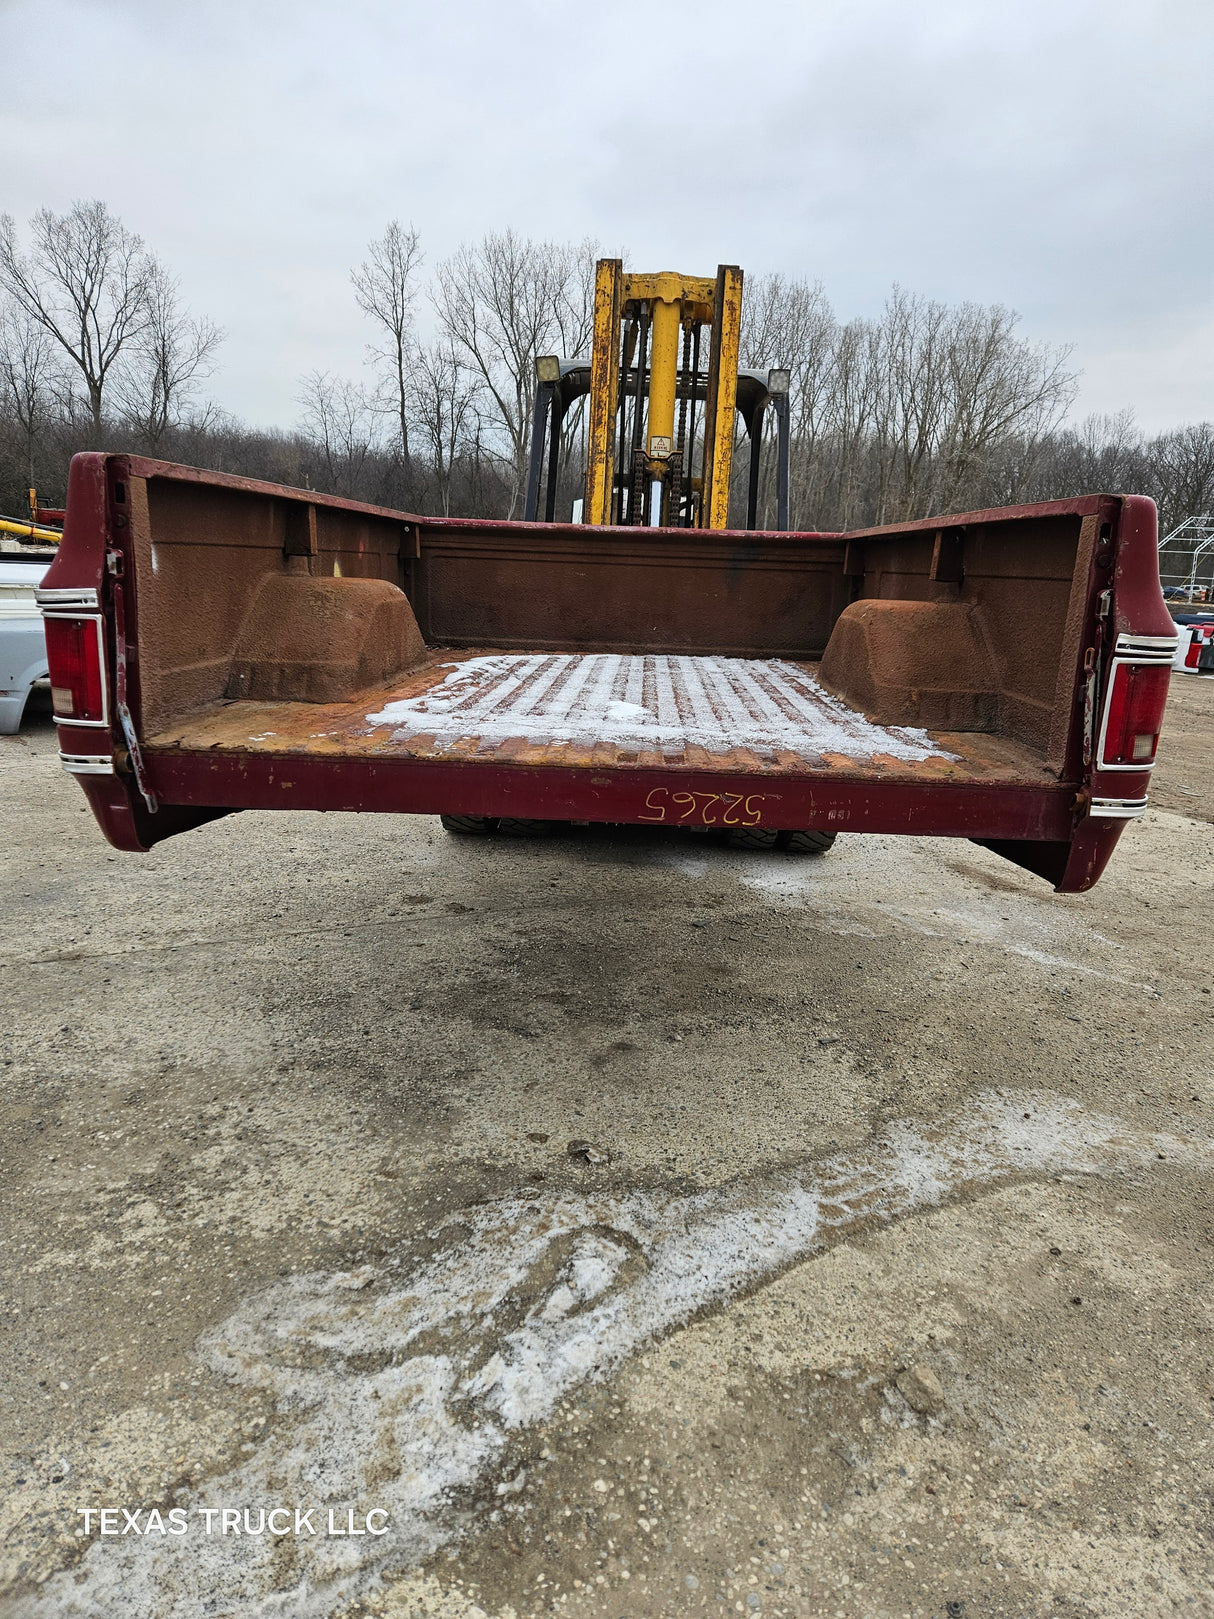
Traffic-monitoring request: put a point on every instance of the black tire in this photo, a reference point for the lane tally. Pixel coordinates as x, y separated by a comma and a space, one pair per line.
475, 826
753, 837
807, 842
515, 827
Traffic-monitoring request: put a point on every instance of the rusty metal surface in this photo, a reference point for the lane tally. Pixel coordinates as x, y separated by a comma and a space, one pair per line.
626, 590
601, 712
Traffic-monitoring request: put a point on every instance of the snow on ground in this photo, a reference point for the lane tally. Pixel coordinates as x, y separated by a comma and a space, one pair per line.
399, 1386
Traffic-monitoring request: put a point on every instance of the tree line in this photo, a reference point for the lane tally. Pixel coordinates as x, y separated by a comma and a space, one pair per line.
923, 408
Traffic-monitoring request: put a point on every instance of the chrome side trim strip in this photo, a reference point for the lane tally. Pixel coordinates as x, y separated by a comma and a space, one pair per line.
1147, 648
1118, 809
63, 599
87, 764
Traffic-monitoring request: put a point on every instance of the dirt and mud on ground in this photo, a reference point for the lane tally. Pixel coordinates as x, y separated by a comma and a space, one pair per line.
877, 1279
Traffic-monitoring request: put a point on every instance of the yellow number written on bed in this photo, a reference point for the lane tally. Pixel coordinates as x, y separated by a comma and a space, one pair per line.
703, 809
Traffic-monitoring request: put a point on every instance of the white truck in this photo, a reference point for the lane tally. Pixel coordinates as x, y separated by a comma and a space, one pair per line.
22, 639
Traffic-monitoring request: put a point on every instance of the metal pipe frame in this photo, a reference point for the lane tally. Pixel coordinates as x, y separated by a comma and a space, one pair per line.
783, 449
556, 417
545, 402
755, 426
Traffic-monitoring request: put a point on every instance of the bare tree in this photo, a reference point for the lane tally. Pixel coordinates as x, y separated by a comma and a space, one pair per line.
951, 386
384, 288
503, 302
853, 403
172, 354
926, 408
443, 396
342, 420
30, 381
1183, 462
914, 367
1000, 387
789, 323
85, 282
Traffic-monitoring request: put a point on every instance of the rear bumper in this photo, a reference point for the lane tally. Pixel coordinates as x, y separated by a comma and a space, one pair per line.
641, 796
1041, 828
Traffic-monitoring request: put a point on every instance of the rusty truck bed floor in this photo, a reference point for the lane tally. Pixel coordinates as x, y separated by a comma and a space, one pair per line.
760, 716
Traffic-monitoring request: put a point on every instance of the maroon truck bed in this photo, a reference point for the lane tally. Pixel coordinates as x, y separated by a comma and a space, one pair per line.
262, 647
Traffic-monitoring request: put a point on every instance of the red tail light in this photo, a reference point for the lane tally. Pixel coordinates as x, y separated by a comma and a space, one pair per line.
1133, 715
78, 685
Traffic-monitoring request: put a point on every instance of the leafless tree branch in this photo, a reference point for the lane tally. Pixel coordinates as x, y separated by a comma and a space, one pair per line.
385, 291
86, 282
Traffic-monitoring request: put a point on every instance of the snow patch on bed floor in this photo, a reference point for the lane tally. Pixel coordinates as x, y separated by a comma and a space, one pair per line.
398, 1387
651, 703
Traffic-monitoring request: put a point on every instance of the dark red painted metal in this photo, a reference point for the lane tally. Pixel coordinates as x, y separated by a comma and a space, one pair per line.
430, 787
80, 560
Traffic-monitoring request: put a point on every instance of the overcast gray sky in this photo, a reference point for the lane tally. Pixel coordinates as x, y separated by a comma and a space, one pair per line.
1054, 155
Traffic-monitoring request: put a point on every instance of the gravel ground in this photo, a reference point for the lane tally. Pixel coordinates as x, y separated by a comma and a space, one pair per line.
1184, 776
644, 1228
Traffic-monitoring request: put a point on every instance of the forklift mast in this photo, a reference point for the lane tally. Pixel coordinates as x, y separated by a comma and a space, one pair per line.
661, 430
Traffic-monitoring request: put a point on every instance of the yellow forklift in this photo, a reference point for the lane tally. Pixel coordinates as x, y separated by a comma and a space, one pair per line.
660, 436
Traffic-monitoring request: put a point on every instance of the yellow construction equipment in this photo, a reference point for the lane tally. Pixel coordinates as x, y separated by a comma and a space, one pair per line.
35, 531
660, 435
30, 531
